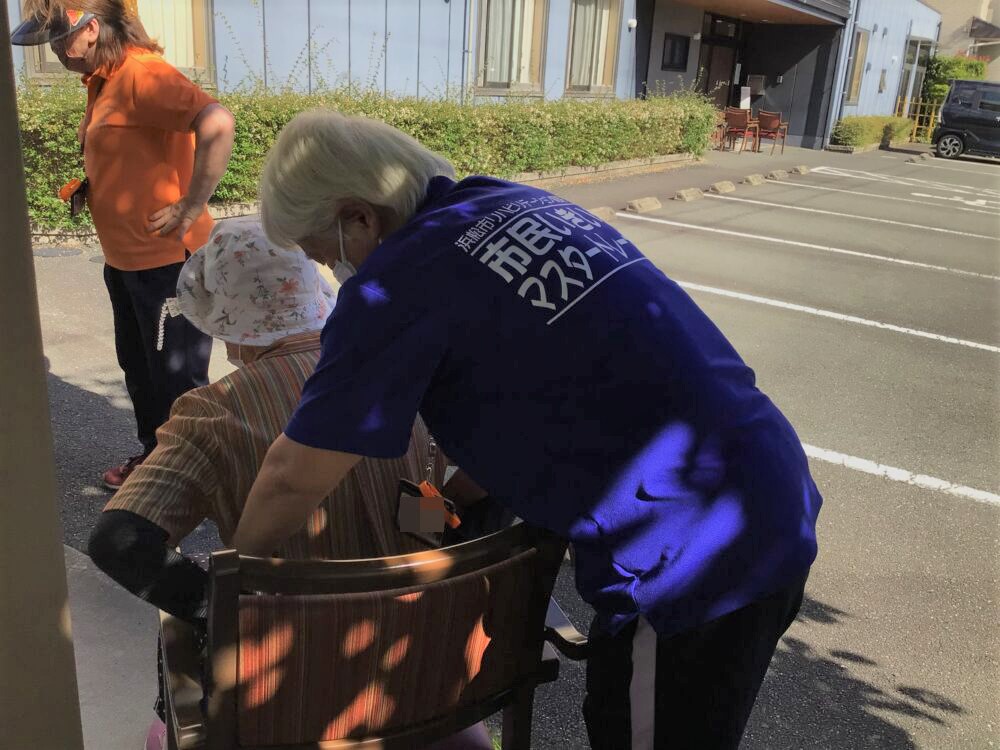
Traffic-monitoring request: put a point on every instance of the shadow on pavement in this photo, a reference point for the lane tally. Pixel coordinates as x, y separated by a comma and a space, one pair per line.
91, 431
914, 149
809, 699
815, 699
90, 434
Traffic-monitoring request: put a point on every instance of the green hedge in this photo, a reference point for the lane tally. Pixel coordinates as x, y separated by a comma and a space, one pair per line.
865, 131
501, 139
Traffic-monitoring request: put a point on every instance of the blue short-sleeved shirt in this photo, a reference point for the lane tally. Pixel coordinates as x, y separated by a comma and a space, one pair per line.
580, 386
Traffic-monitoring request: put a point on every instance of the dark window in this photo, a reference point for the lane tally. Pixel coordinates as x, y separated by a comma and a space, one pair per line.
963, 95
719, 27
990, 100
675, 52
881, 81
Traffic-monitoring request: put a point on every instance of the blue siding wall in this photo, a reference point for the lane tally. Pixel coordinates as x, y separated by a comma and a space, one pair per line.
625, 77
286, 26
406, 47
239, 46
14, 16
556, 49
330, 44
441, 47
896, 21
367, 40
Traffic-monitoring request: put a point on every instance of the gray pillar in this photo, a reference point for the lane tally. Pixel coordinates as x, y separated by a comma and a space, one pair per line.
39, 707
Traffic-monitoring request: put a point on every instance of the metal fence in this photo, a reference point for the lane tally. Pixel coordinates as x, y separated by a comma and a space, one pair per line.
923, 113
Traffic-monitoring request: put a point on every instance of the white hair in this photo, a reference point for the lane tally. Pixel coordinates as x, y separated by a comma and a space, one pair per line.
322, 157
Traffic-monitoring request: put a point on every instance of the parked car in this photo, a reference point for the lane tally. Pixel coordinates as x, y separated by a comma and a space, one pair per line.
969, 121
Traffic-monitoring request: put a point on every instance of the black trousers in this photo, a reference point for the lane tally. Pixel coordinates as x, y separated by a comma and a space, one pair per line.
154, 377
694, 689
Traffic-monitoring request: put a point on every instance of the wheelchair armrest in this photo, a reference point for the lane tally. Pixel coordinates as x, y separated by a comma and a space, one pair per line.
559, 631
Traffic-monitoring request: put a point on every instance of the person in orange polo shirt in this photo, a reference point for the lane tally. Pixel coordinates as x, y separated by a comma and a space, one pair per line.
155, 146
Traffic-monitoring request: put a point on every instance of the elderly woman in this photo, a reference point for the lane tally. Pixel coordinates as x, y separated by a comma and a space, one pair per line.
154, 148
268, 304
578, 384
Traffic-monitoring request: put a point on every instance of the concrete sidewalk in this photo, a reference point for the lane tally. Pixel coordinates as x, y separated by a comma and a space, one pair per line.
114, 635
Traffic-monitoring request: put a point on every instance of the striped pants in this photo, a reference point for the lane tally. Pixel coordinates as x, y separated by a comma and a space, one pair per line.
693, 689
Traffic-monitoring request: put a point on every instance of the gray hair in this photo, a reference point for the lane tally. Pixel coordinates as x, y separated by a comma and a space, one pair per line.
322, 157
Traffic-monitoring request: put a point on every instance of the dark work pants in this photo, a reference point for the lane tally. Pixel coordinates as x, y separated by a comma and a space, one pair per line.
154, 378
693, 689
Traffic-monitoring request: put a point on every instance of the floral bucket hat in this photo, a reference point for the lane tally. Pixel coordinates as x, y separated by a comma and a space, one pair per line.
243, 289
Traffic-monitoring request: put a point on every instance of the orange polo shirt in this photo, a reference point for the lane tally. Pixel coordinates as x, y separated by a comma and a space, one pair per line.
139, 157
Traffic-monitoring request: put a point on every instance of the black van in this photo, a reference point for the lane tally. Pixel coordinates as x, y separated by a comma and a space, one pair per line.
970, 120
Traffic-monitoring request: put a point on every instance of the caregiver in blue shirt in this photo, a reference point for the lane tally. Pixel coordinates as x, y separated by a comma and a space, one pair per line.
572, 380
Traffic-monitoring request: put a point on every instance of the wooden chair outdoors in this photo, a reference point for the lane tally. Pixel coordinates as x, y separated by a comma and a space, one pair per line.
718, 137
387, 653
740, 124
772, 127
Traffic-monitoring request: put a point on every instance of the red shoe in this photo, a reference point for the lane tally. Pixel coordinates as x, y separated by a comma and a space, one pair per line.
114, 477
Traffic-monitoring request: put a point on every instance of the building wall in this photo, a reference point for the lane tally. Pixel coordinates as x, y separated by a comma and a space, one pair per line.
673, 18
804, 60
408, 47
891, 23
556, 53
556, 48
956, 16
14, 15
627, 61
403, 47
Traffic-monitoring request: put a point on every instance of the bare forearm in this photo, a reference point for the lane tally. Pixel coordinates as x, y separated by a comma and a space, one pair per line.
292, 482
214, 134
273, 512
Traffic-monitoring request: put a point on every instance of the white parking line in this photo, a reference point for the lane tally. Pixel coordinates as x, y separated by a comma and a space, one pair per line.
852, 216
798, 184
809, 246
836, 316
984, 173
900, 475
911, 182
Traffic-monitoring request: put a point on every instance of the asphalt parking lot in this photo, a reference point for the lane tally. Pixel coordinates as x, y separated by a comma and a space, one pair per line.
865, 296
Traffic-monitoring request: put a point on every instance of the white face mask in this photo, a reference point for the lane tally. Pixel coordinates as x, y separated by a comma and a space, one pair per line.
343, 269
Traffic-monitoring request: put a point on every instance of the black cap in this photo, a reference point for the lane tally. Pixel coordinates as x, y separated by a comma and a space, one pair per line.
36, 31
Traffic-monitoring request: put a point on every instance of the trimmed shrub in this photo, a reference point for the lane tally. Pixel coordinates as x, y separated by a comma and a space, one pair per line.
501, 139
868, 130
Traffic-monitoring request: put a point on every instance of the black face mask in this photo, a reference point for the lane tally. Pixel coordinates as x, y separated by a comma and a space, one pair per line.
75, 64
